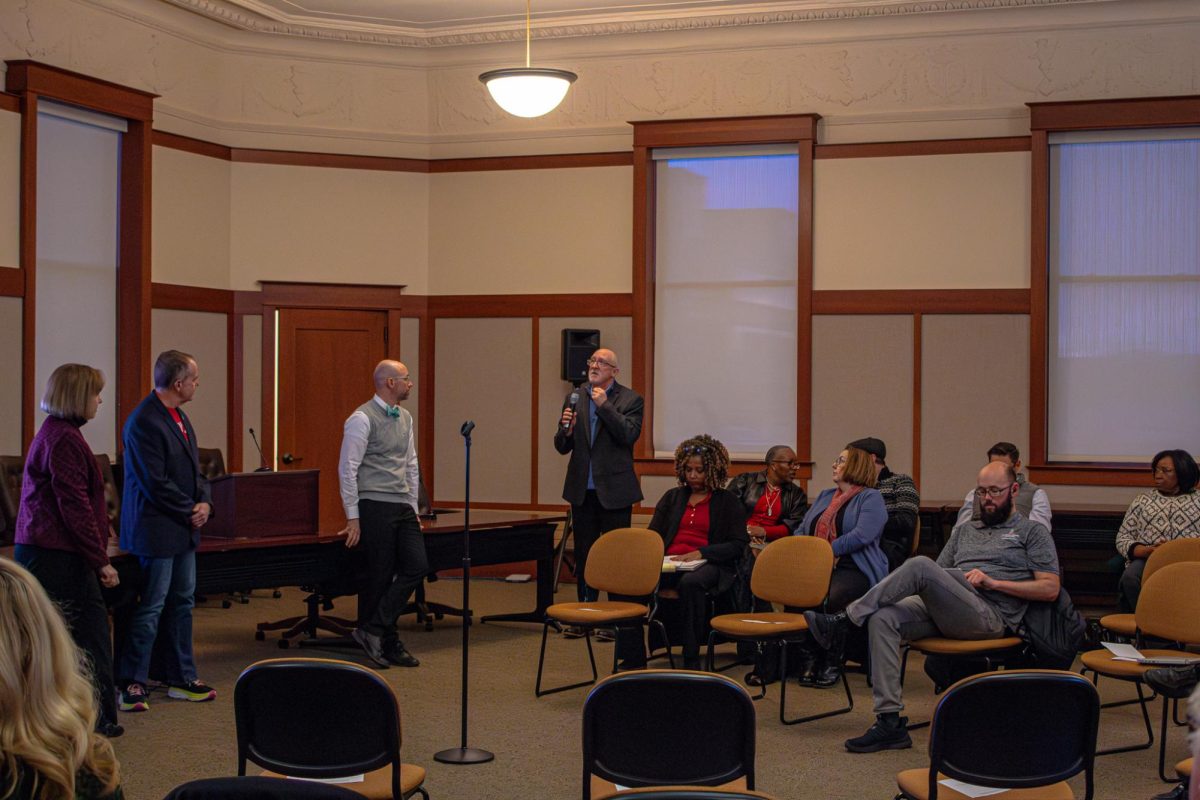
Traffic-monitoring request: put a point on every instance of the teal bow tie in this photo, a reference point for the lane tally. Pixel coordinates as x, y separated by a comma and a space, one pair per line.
393, 411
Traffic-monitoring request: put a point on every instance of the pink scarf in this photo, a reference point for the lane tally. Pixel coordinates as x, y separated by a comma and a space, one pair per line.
826, 523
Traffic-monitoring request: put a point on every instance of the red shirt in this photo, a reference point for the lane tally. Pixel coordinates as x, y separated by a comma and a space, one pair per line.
767, 512
179, 421
693, 529
62, 495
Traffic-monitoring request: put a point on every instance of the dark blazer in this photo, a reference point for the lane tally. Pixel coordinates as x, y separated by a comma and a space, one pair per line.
749, 487
163, 483
610, 456
727, 537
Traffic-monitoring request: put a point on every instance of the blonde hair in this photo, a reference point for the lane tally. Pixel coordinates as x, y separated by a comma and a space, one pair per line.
69, 390
47, 705
860, 468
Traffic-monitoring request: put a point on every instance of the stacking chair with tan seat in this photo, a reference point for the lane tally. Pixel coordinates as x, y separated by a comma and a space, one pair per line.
686, 793
1171, 552
318, 718
1026, 731
1169, 609
660, 728
627, 562
793, 571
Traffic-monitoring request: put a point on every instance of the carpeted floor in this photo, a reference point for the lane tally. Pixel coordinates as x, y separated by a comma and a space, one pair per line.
536, 741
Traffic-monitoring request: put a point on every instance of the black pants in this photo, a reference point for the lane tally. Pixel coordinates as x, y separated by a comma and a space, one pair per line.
588, 522
1130, 585
394, 549
75, 587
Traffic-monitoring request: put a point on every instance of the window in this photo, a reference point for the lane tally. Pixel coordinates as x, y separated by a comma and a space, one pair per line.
1123, 347
725, 321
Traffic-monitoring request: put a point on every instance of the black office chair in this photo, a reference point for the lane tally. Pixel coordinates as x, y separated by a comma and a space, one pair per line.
316, 718
1023, 730
12, 473
686, 793
254, 787
667, 728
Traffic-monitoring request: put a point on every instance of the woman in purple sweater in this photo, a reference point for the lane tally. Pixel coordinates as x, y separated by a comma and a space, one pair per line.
62, 526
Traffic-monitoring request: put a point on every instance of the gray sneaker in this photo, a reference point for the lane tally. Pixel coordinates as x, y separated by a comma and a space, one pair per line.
372, 645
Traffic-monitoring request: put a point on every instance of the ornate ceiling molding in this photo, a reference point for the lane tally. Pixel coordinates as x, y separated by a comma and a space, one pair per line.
257, 17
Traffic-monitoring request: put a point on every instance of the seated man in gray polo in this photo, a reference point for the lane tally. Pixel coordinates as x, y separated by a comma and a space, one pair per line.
1031, 501
978, 589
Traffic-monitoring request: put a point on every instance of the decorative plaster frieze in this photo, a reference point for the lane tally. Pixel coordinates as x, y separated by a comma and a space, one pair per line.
258, 17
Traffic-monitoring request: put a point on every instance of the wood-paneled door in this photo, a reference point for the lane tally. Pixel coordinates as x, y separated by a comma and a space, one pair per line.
326, 358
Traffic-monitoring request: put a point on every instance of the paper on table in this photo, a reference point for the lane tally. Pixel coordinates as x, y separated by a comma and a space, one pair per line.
970, 789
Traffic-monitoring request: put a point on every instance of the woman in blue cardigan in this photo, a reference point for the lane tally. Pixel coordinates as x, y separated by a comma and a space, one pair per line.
850, 517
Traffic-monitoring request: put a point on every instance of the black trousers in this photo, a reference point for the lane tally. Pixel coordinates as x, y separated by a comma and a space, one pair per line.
394, 550
588, 522
75, 587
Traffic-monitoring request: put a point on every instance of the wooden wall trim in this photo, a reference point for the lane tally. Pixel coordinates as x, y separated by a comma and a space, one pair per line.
1141, 112
10, 102
187, 144
529, 305
234, 363
12, 282
294, 158
133, 269
925, 301
725, 131
266, 437
191, 298
247, 302
929, 147
72, 87
1091, 475
426, 390
643, 293
1039, 294
562, 161
804, 303
296, 294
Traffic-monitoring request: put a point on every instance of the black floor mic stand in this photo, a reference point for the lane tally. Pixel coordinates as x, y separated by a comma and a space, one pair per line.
464, 754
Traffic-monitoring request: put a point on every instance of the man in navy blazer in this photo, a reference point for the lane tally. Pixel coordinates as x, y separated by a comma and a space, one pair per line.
599, 431
164, 503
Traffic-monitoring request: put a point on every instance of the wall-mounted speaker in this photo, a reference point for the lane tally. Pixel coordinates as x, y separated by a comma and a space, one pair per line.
577, 346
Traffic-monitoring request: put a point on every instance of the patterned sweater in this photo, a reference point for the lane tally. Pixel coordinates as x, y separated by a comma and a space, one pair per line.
903, 504
1154, 518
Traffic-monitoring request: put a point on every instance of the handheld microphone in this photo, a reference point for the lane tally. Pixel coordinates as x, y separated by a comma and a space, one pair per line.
574, 403
261, 458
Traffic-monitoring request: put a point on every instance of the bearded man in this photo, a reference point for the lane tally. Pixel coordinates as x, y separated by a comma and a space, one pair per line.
978, 588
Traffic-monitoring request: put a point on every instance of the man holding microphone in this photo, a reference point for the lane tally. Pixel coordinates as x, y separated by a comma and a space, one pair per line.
600, 423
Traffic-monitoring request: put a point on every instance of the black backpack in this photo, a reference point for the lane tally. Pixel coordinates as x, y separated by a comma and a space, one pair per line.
1054, 632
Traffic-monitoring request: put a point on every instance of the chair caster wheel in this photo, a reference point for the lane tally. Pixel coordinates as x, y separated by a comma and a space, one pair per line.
277, 594
259, 636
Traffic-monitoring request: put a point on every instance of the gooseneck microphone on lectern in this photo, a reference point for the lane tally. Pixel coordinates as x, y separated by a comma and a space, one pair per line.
261, 458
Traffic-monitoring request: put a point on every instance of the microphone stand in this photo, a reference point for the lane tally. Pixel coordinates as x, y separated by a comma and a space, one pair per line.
464, 754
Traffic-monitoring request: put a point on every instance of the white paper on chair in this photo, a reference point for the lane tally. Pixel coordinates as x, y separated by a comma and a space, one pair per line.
347, 779
763, 621
970, 789
1123, 652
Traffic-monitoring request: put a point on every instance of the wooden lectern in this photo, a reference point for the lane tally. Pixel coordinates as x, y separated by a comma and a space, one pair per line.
256, 505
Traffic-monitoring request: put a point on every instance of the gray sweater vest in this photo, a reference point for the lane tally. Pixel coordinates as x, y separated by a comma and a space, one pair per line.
383, 473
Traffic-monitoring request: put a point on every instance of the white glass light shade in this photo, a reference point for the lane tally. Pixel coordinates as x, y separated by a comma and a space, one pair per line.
528, 91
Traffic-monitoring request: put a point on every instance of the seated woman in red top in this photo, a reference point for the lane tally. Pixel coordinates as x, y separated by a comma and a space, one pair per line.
700, 520
62, 527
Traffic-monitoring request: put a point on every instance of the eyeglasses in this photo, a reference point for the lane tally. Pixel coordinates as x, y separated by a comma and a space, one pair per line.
600, 362
790, 464
1164, 470
840, 460
992, 491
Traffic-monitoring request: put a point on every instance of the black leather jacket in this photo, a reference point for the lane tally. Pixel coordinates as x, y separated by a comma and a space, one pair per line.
749, 487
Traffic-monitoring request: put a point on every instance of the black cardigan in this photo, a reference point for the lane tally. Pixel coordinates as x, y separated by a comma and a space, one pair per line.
727, 537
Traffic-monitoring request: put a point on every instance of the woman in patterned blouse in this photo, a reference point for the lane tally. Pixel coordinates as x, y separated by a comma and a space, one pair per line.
1171, 511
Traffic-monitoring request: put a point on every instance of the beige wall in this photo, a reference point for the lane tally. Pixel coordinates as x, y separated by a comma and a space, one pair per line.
251, 389
922, 222
410, 354
10, 189
531, 231
616, 334
190, 245
10, 366
328, 225
484, 373
862, 386
204, 336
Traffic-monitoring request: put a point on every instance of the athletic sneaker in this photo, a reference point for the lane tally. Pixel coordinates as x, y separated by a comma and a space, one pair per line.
133, 698
195, 692
888, 733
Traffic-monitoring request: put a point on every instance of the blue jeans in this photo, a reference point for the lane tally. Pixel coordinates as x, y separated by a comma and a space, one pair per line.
168, 596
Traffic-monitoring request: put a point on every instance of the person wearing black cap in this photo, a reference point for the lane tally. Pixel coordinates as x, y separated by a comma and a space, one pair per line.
900, 498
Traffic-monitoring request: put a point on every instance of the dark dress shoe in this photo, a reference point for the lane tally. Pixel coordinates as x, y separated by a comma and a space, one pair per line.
399, 656
1173, 682
372, 645
828, 675
110, 730
1178, 793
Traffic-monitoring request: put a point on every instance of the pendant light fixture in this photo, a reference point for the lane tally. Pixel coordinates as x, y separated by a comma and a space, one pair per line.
528, 91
